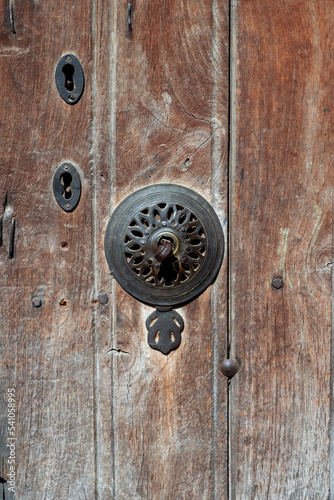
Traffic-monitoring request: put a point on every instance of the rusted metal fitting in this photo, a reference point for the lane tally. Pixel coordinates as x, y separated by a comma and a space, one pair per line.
229, 368
277, 282
36, 302
103, 298
164, 250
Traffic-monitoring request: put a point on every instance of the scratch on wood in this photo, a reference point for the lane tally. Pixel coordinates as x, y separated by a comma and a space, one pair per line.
13, 51
204, 142
282, 249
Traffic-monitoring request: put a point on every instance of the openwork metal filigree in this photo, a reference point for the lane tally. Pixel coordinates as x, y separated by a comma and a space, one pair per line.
150, 229
164, 244
164, 330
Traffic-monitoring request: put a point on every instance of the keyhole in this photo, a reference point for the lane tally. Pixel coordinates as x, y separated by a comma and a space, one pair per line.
169, 270
69, 71
66, 181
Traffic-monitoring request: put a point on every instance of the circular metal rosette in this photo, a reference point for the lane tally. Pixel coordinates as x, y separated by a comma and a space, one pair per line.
164, 244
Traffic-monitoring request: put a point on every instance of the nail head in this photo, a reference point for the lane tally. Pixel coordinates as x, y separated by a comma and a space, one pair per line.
103, 298
229, 368
277, 282
36, 302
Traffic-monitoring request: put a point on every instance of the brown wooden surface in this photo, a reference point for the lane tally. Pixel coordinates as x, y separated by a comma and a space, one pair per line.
99, 414
102, 163
282, 176
94, 421
171, 126
46, 353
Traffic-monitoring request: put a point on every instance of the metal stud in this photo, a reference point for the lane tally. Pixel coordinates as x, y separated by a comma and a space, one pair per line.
229, 368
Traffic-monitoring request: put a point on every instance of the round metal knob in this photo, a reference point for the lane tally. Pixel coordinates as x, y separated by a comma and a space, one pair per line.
164, 244
229, 368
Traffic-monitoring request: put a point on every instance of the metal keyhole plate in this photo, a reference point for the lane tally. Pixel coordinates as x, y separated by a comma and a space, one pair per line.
70, 79
164, 244
67, 186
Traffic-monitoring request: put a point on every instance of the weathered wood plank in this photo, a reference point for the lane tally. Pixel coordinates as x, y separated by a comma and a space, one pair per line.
282, 225
62, 374
46, 352
102, 157
170, 429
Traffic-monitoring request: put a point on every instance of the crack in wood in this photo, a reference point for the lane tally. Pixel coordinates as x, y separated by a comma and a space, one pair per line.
3, 481
11, 16
129, 20
118, 351
329, 264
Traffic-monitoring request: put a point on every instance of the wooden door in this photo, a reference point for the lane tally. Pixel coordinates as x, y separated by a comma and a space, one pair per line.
233, 100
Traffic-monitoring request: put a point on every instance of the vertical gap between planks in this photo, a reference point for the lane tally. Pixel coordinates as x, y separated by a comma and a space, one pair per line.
112, 156
228, 339
230, 191
93, 153
97, 451
215, 169
331, 433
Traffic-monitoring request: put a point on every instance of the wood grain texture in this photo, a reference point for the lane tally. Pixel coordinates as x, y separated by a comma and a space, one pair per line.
102, 156
100, 415
46, 352
282, 225
171, 126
